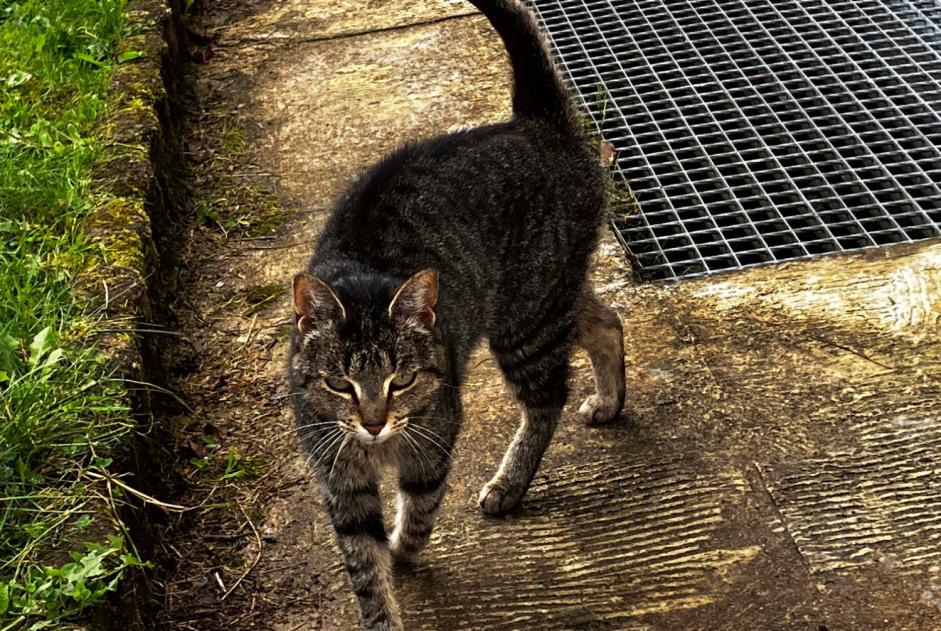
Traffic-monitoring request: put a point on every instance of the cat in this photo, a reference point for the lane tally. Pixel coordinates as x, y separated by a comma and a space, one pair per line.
482, 233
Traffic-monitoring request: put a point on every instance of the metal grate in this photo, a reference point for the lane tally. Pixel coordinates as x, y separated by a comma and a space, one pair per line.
755, 131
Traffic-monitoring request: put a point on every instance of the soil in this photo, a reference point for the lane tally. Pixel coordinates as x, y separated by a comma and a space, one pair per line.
776, 463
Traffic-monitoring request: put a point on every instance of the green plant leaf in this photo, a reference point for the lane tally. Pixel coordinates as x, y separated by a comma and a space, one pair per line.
40, 346
4, 598
8, 346
80, 592
53, 357
17, 78
130, 55
89, 59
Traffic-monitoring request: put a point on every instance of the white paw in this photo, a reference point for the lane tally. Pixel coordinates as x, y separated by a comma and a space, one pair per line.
399, 551
598, 409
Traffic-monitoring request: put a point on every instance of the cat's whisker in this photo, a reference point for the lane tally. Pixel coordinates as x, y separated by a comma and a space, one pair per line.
444, 420
408, 441
431, 440
344, 425
323, 439
430, 431
316, 449
302, 427
418, 451
328, 448
313, 433
337, 457
308, 436
317, 424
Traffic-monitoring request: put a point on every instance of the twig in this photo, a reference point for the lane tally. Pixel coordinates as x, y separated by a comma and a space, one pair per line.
157, 388
140, 330
257, 556
138, 494
219, 580
283, 246
281, 568
251, 331
483, 361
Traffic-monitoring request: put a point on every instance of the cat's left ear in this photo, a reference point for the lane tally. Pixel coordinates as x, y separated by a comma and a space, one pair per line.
415, 300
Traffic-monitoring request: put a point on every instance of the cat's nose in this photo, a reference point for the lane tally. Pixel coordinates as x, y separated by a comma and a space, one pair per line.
374, 429
372, 413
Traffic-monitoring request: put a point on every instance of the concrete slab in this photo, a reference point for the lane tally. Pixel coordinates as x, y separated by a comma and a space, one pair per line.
777, 464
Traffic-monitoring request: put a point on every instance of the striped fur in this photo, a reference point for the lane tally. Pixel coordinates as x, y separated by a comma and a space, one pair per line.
484, 233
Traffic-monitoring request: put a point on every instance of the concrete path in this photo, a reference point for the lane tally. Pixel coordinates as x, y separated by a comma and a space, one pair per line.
778, 463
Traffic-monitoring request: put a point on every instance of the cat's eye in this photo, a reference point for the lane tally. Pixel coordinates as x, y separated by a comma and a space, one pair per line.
339, 384
402, 381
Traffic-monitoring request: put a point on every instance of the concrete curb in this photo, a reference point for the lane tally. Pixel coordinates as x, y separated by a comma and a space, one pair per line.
141, 206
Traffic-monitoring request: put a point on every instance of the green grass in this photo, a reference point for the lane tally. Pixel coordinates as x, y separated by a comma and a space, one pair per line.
58, 407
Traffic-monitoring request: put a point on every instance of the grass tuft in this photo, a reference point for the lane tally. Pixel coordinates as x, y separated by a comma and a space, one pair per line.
58, 407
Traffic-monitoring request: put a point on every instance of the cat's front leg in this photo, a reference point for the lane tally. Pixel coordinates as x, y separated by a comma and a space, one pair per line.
422, 483
355, 509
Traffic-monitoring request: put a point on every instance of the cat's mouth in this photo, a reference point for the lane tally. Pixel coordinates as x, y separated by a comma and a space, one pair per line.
376, 435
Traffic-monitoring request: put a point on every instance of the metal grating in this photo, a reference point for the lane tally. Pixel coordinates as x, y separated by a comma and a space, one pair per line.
756, 131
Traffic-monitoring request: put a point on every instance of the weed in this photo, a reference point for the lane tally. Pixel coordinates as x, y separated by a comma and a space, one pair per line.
60, 592
228, 201
602, 99
261, 296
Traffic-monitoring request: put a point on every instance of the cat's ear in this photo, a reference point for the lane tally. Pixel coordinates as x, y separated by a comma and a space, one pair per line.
315, 303
415, 300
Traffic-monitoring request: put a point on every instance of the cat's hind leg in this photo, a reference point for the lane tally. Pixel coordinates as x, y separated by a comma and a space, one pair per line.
600, 333
535, 366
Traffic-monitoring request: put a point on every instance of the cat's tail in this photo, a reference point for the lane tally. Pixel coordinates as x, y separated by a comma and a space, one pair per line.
538, 91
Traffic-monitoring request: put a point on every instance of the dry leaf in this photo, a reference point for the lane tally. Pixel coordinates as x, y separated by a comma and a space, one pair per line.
607, 151
213, 431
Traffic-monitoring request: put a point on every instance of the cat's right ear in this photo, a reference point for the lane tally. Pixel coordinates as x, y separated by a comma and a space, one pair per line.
315, 303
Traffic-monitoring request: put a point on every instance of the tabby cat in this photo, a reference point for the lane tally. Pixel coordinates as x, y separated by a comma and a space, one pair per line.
482, 233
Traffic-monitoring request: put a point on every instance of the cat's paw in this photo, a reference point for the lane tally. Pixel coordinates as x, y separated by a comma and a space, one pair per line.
597, 409
499, 496
403, 552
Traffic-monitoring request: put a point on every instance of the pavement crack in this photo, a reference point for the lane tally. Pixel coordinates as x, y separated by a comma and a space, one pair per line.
315, 39
759, 485
860, 354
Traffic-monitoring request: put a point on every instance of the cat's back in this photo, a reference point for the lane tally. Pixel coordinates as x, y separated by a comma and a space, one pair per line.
480, 185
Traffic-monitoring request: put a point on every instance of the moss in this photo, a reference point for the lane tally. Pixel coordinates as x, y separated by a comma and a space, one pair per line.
116, 279
133, 120
268, 222
233, 141
122, 228
261, 296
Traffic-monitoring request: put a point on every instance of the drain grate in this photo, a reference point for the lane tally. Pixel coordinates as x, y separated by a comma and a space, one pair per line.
756, 131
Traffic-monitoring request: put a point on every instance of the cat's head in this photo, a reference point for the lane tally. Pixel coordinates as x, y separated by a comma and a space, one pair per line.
366, 353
